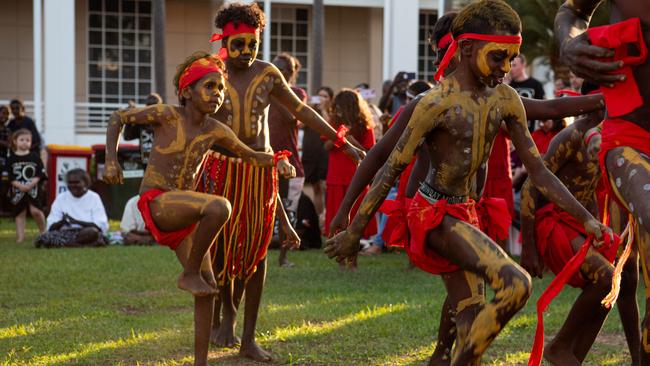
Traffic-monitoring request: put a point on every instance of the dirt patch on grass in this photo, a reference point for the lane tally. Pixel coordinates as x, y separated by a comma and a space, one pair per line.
131, 310
611, 339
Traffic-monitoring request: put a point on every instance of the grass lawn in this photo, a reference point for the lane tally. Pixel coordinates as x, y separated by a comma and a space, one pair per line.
120, 306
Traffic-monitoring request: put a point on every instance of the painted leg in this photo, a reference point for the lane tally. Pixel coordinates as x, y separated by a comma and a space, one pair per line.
446, 335
587, 315
473, 251
203, 309
249, 348
628, 308
628, 172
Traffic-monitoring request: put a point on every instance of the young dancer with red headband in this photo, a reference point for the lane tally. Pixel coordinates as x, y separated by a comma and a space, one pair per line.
535, 109
461, 117
616, 56
178, 217
243, 242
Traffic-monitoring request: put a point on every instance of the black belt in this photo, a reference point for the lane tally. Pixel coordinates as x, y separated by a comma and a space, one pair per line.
433, 194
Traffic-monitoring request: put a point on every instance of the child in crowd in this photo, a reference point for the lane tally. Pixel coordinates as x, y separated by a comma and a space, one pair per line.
25, 170
349, 113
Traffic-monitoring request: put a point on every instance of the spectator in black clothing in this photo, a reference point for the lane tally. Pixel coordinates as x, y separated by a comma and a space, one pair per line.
395, 96
314, 157
526, 86
20, 120
143, 132
5, 134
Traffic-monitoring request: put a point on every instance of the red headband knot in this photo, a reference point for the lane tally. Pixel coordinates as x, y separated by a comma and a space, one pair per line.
231, 29
451, 51
196, 71
445, 41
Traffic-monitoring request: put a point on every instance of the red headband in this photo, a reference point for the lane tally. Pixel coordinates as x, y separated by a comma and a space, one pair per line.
195, 71
481, 37
445, 41
230, 29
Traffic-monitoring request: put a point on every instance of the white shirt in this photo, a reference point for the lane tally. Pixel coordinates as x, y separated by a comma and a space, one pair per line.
87, 208
132, 218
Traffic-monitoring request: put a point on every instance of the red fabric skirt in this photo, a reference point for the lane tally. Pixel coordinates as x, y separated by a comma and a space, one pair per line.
171, 239
500, 188
396, 231
252, 192
618, 133
423, 217
333, 198
554, 231
494, 217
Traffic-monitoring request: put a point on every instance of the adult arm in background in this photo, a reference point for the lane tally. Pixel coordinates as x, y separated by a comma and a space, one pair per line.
571, 23
367, 170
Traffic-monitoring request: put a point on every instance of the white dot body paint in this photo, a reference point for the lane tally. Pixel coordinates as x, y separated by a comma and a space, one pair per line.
631, 206
646, 187
620, 162
618, 182
632, 173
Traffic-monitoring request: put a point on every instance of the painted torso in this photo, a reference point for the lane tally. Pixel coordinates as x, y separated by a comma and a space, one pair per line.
178, 150
461, 141
245, 108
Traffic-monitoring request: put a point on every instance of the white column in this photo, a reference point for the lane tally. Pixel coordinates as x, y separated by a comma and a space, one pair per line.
59, 71
38, 64
267, 31
441, 8
404, 45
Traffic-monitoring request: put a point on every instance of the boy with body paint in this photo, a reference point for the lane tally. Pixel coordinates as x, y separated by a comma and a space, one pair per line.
178, 217
616, 56
535, 109
551, 237
251, 86
457, 121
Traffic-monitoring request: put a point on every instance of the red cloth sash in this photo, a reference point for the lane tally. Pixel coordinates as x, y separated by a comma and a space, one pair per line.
423, 217
617, 133
196, 71
624, 97
494, 217
171, 239
396, 231
557, 228
451, 51
231, 29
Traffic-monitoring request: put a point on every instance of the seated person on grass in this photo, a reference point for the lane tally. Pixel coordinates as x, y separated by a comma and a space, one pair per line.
178, 217
457, 122
77, 217
132, 225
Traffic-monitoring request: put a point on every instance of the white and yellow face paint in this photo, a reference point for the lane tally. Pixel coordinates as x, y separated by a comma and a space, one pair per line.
251, 43
511, 49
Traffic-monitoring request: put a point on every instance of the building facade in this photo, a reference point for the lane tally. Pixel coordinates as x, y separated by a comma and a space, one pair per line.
96, 55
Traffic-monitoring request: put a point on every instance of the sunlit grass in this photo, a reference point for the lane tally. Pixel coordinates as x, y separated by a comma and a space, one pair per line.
120, 306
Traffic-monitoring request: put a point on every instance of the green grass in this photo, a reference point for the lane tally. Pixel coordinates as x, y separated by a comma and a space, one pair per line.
120, 306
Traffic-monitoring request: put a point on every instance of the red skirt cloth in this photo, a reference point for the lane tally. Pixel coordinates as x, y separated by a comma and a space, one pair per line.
617, 133
333, 196
554, 231
423, 217
494, 217
396, 231
171, 239
252, 192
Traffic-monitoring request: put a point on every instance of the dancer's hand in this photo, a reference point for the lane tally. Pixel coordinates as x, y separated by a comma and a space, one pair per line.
354, 153
291, 238
285, 169
343, 245
532, 262
113, 172
599, 231
581, 57
340, 222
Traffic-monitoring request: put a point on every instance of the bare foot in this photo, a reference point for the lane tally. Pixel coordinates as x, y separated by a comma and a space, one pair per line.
225, 336
19, 240
371, 250
194, 284
286, 264
255, 352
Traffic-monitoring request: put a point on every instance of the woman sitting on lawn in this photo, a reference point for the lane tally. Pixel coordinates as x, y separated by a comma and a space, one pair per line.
77, 217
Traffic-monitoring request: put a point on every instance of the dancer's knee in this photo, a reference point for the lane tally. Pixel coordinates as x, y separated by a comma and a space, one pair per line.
218, 209
517, 286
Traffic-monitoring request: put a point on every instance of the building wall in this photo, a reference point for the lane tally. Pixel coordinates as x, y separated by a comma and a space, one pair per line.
346, 48
17, 55
188, 29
